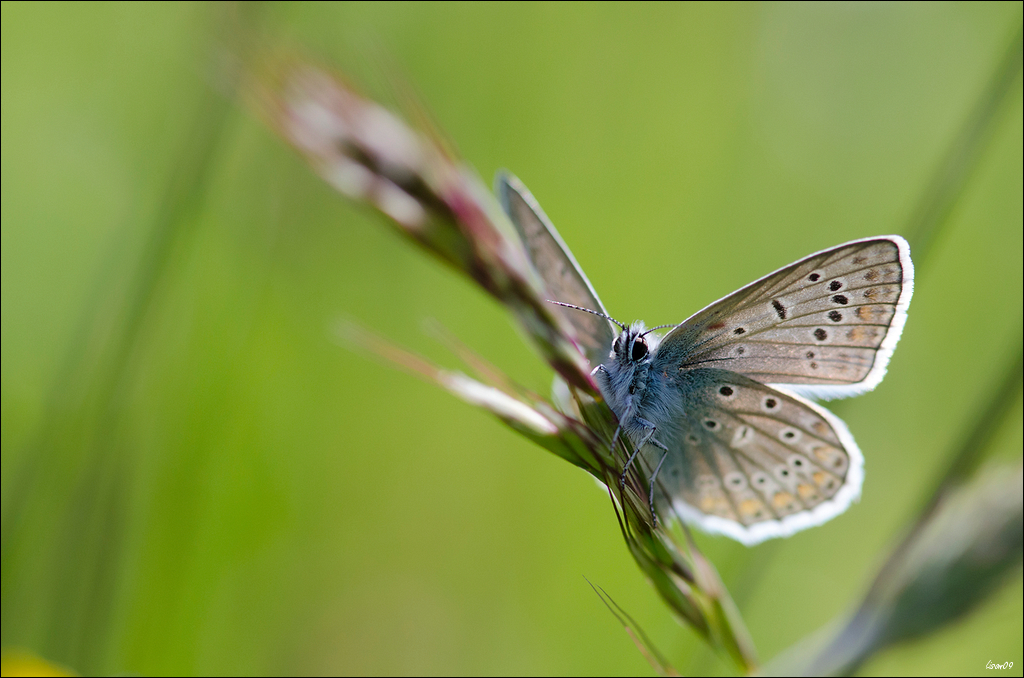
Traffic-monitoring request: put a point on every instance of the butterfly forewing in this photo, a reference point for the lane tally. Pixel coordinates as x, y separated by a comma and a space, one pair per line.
752, 462
825, 325
562, 276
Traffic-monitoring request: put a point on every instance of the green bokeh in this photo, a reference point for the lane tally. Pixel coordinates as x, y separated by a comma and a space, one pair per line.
232, 489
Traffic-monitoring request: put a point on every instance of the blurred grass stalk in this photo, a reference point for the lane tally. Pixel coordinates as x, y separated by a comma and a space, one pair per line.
966, 543
77, 465
968, 538
372, 156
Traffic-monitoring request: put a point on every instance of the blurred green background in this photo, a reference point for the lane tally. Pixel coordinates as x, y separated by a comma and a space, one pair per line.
199, 476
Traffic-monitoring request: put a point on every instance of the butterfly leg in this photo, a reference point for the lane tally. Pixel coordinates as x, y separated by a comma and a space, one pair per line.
654, 476
651, 428
615, 437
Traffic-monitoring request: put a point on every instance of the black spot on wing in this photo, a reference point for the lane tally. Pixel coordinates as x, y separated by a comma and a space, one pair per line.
779, 308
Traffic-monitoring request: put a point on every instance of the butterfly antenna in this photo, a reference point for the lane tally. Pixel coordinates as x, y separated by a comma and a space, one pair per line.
659, 327
587, 310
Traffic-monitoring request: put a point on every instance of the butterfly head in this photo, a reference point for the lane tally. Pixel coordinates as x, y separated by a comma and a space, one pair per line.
631, 346
623, 378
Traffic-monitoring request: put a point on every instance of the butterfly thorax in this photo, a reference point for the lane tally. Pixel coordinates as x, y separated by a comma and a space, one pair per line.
625, 376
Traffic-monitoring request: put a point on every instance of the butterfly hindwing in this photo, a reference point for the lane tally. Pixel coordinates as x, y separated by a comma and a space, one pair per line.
562, 276
824, 326
751, 461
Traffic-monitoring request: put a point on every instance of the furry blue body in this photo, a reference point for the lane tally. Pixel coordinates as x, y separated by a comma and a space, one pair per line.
643, 390
657, 402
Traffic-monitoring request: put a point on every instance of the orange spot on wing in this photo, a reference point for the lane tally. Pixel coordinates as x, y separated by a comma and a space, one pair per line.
807, 492
827, 482
824, 455
750, 507
783, 501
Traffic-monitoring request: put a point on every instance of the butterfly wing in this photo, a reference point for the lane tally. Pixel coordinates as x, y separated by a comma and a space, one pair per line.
562, 276
750, 461
824, 326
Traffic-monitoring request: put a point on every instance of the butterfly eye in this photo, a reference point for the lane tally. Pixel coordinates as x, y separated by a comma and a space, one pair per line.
639, 350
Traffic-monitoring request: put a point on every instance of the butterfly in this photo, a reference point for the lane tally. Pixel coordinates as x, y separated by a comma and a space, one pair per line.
718, 411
